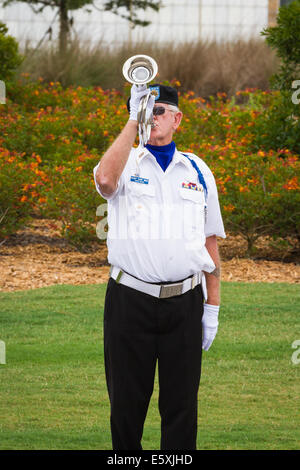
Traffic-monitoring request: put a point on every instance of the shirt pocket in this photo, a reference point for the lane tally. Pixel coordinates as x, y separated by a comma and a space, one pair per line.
193, 214
140, 190
192, 195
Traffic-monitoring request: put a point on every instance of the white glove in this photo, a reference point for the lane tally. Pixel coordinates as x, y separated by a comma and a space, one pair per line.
137, 92
209, 325
150, 106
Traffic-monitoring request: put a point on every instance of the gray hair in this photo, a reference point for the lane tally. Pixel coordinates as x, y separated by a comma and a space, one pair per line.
174, 108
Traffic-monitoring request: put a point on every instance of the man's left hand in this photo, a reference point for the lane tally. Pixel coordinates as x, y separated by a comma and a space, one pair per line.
209, 325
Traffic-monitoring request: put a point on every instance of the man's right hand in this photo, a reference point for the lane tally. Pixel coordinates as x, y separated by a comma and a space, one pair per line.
137, 92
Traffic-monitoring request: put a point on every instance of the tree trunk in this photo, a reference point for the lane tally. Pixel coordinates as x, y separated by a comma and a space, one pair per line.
64, 27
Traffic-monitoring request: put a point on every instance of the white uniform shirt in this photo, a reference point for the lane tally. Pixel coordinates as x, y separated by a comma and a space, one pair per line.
156, 220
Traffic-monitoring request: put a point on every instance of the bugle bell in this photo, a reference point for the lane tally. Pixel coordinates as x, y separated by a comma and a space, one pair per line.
140, 70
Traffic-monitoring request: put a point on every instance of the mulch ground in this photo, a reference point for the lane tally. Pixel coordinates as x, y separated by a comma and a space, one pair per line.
39, 257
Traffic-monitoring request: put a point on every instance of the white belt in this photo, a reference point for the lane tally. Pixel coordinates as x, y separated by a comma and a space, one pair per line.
156, 290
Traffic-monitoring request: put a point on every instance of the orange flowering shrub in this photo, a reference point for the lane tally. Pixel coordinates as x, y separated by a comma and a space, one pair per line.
51, 138
258, 190
58, 135
20, 190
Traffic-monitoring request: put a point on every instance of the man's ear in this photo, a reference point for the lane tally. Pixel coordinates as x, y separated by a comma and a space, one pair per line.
177, 120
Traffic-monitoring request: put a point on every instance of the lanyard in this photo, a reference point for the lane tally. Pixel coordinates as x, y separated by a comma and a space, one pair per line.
201, 181
200, 175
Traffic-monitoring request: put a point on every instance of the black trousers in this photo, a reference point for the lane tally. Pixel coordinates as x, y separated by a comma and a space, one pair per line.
140, 330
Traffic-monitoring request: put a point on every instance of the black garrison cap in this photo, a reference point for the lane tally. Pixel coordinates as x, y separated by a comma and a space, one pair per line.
163, 94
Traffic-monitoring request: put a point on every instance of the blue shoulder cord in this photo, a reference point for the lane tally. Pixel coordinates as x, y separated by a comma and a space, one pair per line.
200, 176
201, 180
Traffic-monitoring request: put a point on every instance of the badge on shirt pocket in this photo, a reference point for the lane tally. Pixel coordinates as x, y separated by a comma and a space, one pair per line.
138, 179
192, 186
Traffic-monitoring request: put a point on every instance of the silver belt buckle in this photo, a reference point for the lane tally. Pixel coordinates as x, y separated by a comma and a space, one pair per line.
170, 290
195, 280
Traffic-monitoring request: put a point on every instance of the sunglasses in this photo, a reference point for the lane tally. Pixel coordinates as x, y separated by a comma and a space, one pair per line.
159, 110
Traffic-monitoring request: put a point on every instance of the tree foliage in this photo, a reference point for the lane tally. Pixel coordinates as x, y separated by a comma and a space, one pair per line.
281, 122
284, 38
132, 7
127, 9
10, 58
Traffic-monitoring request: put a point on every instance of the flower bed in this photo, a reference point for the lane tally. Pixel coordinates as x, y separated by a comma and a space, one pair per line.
51, 138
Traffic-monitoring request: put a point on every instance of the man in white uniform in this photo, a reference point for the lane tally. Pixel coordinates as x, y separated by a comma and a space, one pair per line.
163, 296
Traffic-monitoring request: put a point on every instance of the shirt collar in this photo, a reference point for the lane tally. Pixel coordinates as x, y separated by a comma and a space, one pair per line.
142, 152
180, 158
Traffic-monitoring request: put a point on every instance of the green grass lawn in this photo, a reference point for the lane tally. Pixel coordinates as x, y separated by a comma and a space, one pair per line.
53, 391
